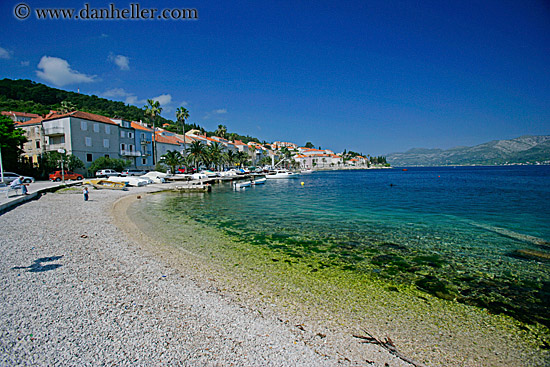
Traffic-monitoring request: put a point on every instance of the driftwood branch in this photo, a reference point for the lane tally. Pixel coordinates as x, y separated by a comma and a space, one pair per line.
387, 344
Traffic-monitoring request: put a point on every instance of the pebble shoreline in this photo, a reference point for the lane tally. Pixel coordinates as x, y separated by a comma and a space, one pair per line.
76, 290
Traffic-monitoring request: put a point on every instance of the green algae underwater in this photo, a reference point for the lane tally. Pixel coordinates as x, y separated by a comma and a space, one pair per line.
415, 241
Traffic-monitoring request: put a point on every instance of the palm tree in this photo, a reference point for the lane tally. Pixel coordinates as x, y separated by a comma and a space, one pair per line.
230, 157
67, 106
153, 110
172, 158
215, 153
196, 150
181, 115
242, 158
221, 131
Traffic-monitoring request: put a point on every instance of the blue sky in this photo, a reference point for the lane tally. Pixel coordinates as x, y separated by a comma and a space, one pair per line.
370, 76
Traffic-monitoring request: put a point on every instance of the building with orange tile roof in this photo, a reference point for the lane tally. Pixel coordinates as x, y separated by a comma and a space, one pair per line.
20, 116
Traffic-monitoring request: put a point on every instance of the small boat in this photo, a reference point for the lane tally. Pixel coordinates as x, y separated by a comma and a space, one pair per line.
240, 185
307, 171
281, 174
106, 184
259, 181
131, 180
404, 169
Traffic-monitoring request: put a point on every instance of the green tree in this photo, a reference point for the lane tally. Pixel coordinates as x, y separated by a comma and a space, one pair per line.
112, 163
67, 107
181, 116
242, 158
173, 159
51, 161
309, 145
221, 131
196, 150
230, 157
214, 152
153, 110
11, 144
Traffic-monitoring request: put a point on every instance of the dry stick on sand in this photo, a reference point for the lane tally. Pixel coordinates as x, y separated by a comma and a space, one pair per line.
388, 345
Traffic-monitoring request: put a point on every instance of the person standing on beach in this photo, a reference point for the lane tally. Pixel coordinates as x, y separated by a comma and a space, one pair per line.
85, 192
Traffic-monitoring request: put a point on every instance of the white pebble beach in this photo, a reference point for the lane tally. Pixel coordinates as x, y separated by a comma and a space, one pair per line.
77, 290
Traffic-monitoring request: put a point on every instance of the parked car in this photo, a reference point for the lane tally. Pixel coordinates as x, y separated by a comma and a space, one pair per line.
58, 176
133, 172
107, 173
10, 176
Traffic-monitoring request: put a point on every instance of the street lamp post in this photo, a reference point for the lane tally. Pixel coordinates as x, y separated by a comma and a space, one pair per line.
1, 167
62, 151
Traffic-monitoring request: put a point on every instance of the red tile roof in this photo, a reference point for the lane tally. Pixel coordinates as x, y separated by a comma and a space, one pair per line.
137, 126
170, 139
80, 115
33, 121
21, 114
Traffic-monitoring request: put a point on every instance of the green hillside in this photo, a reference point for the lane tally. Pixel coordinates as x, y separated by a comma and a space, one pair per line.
27, 96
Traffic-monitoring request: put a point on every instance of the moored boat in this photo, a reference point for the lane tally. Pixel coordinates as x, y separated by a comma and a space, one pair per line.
281, 174
240, 185
259, 181
107, 184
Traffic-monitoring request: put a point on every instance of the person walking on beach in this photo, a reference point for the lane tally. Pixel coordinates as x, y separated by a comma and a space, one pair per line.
85, 192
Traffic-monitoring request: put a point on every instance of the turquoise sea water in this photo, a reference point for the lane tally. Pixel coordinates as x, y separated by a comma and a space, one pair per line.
477, 235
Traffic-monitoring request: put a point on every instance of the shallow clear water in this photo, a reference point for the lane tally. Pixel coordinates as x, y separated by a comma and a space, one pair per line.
478, 235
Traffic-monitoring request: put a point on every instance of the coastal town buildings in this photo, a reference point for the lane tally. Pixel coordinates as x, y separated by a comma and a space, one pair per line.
89, 136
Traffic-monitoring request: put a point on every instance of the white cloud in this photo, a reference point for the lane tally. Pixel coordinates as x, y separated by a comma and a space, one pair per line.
25, 63
184, 104
219, 111
59, 72
5, 54
163, 99
123, 62
129, 98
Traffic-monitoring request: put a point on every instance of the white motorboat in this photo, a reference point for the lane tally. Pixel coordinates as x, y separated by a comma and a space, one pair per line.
240, 185
157, 177
210, 174
259, 181
131, 180
307, 171
281, 174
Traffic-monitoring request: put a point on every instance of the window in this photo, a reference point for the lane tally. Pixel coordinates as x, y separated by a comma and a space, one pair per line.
107, 129
37, 144
88, 157
130, 135
96, 128
36, 130
105, 143
121, 133
131, 147
106, 155
83, 125
144, 161
142, 136
88, 141
122, 146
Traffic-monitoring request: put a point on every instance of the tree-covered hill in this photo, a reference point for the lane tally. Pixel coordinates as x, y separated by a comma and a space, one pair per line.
27, 96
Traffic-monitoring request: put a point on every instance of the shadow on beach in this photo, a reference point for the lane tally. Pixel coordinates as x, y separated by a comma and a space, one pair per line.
37, 266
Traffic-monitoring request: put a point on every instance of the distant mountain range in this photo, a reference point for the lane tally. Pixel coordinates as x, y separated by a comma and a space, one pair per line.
525, 149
